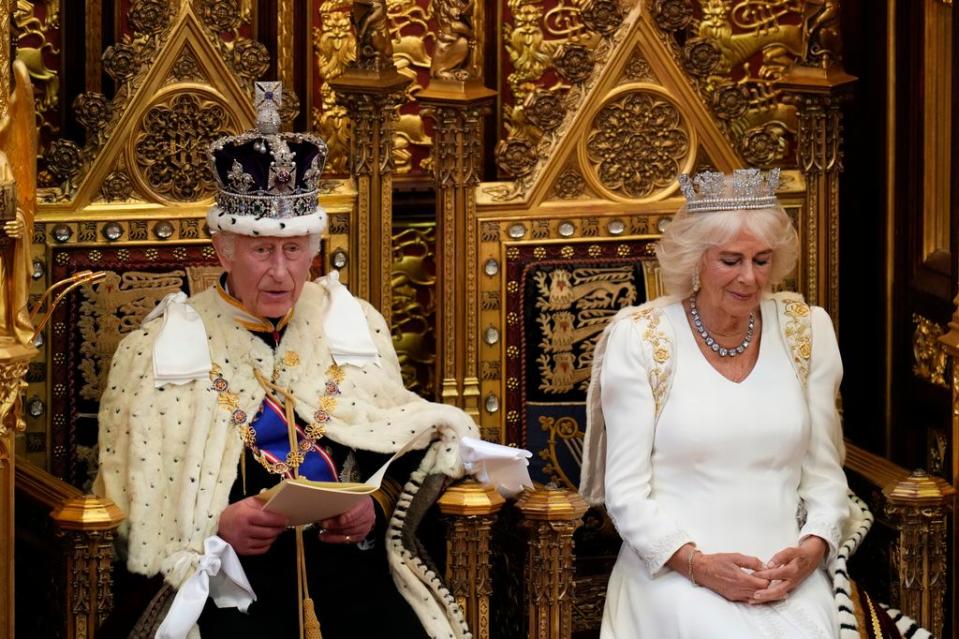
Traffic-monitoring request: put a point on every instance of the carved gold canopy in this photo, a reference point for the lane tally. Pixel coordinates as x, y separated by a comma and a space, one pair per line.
590, 112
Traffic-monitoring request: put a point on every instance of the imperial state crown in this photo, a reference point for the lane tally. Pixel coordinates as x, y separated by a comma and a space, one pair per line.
267, 180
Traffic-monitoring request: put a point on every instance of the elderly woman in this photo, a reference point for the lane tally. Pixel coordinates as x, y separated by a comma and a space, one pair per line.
714, 434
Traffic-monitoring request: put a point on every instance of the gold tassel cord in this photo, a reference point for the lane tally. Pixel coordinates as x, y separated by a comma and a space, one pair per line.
310, 628
309, 623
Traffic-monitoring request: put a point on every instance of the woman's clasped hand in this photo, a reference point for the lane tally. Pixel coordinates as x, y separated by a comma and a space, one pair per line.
789, 568
746, 579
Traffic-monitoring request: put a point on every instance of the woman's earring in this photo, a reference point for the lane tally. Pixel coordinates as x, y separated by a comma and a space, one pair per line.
696, 282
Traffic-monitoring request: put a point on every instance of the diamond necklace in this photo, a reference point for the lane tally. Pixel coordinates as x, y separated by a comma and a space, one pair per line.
712, 343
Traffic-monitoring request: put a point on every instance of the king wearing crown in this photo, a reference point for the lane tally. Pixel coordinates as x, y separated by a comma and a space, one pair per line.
264, 377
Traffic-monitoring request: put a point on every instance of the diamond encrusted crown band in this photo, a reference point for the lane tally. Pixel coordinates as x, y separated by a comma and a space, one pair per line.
744, 189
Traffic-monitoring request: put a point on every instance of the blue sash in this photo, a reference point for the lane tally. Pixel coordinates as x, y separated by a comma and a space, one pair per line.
273, 440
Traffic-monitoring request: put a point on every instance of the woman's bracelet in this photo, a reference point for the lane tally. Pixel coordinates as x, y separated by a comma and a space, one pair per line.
692, 555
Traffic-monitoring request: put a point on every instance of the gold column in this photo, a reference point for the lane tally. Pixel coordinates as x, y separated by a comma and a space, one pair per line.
552, 515
918, 506
471, 510
457, 100
371, 90
13, 366
817, 86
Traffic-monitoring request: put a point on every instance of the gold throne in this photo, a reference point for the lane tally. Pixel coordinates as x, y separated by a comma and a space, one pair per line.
539, 217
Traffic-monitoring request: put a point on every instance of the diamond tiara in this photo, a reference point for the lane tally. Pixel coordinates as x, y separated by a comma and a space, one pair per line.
709, 191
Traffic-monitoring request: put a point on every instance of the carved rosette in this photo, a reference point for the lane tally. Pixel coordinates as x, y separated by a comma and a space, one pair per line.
251, 59
672, 15
121, 62
93, 111
730, 102
638, 142
516, 157
569, 185
151, 16
545, 110
736, 52
637, 68
764, 146
602, 16
169, 152
64, 159
701, 56
186, 69
574, 62
290, 107
117, 187
220, 15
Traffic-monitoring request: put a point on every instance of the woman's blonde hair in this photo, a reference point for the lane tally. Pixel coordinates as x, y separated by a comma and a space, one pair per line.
690, 235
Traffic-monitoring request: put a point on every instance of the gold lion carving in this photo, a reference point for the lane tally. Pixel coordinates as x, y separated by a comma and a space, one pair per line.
455, 40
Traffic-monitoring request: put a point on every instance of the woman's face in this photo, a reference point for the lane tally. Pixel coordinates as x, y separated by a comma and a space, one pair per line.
734, 274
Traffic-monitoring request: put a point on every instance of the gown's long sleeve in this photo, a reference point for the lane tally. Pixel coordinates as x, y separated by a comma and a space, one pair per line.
822, 486
629, 411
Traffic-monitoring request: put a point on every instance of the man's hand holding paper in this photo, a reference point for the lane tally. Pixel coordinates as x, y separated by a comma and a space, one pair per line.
350, 527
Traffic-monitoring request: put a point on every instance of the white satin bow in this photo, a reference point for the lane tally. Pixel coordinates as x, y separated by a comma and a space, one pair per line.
180, 352
220, 576
345, 326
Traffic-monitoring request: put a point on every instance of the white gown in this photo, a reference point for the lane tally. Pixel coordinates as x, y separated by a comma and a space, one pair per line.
724, 466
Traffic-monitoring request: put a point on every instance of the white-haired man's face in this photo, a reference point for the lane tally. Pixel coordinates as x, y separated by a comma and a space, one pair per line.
265, 273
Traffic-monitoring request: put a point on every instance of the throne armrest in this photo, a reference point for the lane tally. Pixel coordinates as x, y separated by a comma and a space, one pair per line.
84, 527
549, 516
915, 507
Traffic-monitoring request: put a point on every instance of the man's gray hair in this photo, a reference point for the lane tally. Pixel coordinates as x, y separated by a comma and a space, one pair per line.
227, 243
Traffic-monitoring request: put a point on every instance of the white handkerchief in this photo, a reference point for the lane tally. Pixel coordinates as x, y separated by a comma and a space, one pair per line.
180, 351
503, 467
345, 326
219, 575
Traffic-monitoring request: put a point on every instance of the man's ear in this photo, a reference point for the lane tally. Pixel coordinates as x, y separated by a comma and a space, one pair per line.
218, 241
